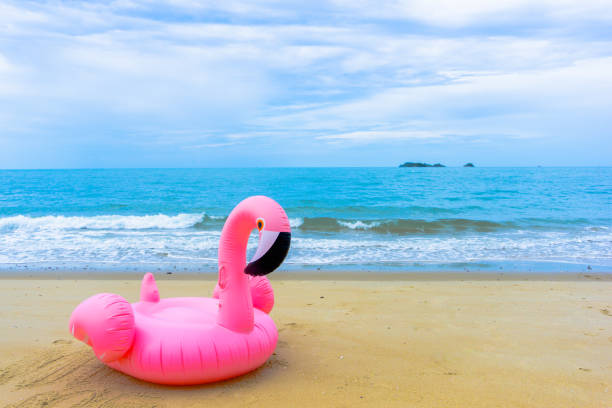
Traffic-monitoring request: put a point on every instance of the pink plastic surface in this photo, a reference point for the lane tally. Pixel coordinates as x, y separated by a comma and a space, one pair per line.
191, 340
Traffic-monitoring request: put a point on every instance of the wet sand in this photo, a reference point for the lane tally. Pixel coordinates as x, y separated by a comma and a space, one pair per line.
405, 340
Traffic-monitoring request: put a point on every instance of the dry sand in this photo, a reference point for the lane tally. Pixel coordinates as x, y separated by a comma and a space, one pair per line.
343, 343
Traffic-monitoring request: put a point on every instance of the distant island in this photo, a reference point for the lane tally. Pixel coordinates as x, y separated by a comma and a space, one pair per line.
411, 164
416, 164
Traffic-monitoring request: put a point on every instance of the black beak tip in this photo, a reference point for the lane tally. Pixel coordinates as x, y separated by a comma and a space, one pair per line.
271, 259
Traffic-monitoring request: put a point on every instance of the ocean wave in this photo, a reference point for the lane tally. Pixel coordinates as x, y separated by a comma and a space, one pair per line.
295, 222
192, 249
444, 225
205, 222
209, 222
403, 226
99, 222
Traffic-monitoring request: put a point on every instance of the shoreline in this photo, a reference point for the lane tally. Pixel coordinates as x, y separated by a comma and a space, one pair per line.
310, 275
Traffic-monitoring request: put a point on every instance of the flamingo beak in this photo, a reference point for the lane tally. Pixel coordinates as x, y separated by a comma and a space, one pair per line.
271, 252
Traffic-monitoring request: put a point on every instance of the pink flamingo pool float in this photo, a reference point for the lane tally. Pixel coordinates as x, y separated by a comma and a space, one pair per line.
197, 340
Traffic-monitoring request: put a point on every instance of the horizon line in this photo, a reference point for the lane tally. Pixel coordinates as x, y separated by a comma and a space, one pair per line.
290, 167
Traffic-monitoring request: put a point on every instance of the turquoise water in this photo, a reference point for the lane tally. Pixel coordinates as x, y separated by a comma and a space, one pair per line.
523, 219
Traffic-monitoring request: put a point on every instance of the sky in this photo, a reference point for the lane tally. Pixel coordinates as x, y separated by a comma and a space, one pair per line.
182, 83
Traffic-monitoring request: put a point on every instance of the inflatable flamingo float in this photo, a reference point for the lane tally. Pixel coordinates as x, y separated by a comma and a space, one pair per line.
197, 340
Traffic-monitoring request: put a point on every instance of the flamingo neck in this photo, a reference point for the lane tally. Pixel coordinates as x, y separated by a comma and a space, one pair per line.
235, 302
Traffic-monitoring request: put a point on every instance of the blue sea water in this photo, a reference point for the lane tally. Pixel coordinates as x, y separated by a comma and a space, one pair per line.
395, 219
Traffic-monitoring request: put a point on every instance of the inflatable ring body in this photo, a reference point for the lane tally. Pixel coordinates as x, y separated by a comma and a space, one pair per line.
193, 340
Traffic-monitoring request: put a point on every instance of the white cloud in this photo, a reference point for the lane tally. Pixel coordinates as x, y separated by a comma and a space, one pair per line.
370, 136
5, 66
453, 14
211, 145
10, 15
174, 71
518, 104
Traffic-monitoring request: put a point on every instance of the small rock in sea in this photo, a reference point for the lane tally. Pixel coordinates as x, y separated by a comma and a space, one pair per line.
589, 267
468, 165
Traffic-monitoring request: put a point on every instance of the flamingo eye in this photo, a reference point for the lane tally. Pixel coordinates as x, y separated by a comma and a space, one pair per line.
260, 224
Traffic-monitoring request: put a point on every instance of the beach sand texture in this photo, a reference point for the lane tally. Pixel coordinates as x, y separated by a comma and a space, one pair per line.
343, 343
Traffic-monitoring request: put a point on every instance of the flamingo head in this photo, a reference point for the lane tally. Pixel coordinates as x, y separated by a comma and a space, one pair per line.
105, 322
269, 218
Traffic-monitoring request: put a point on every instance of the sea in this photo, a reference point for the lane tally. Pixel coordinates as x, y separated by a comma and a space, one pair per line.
544, 220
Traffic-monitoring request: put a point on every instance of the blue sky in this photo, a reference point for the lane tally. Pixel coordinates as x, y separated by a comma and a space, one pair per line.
183, 83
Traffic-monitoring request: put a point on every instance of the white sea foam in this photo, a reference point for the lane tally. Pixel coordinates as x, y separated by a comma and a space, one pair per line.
198, 248
359, 225
99, 222
169, 241
559, 247
296, 222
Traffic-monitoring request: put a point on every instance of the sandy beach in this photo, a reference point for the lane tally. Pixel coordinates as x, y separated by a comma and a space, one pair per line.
405, 340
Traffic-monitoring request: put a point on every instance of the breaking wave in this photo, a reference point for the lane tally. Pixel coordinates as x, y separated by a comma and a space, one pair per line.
100, 222
428, 227
203, 221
